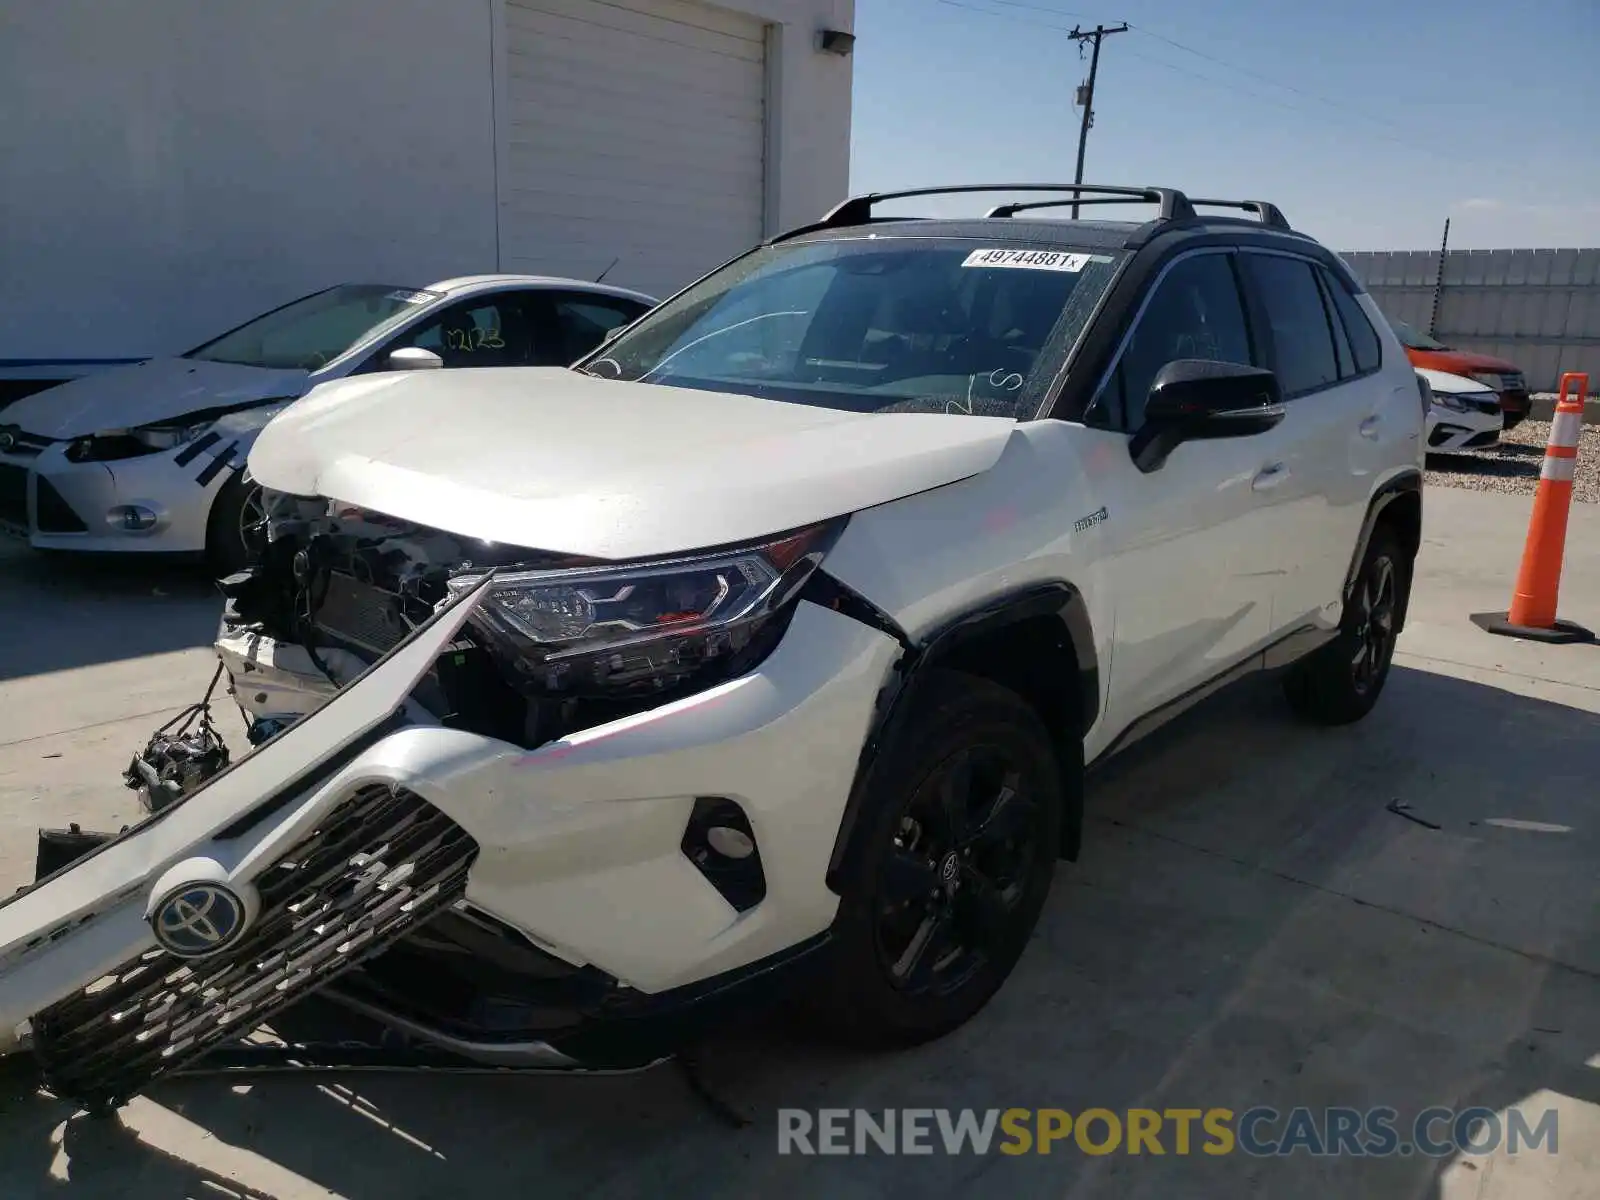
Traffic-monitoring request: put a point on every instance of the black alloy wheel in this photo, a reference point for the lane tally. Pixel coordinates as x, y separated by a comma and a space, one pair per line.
236, 531
949, 864
1341, 681
951, 885
1375, 602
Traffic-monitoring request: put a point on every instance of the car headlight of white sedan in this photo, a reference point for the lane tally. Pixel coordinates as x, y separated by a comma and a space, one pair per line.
109, 445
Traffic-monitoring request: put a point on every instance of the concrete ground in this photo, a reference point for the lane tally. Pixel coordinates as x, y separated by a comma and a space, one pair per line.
1250, 925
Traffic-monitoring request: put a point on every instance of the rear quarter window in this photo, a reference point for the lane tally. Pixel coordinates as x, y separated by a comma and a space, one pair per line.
1364, 342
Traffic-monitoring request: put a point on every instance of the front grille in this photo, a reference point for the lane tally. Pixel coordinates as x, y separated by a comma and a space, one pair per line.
375, 869
55, 514
365, 616
13, 493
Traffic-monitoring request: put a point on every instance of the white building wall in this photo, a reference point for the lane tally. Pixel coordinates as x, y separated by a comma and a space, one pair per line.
170, 168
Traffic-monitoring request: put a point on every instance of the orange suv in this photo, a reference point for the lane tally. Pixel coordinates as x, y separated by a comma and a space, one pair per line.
1492, 372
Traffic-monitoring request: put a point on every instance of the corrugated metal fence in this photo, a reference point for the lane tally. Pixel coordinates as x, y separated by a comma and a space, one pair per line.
1538, 308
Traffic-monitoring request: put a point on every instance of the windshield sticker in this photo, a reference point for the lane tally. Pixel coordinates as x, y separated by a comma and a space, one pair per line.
1032, 260
407, 297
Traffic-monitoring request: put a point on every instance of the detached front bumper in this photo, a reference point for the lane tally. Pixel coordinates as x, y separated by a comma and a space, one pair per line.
157, 503
349, 829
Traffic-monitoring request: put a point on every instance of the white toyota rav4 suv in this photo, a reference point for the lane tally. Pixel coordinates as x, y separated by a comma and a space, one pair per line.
765, 647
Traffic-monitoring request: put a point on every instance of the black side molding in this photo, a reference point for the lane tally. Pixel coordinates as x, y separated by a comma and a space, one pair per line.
1285, 652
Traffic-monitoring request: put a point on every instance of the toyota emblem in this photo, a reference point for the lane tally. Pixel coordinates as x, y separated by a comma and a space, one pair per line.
198, 919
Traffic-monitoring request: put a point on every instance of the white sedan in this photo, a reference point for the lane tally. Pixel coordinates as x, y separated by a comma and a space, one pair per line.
151, 457
1463, 415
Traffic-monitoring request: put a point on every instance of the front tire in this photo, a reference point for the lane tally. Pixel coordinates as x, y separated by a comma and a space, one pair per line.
961, 827
236, 530
1340, 682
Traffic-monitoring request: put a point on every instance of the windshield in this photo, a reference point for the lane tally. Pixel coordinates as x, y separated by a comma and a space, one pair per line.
314, 330
934, 325
1415, 339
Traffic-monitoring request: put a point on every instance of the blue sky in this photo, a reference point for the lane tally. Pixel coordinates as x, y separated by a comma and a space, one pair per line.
1368, 121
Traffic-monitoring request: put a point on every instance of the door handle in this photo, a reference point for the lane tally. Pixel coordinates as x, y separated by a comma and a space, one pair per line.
1369, 427
1269, 477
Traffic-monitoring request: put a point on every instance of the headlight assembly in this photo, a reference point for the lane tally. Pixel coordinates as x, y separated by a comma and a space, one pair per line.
1451, 401
158, 437
644, 627
109, 445
169, 437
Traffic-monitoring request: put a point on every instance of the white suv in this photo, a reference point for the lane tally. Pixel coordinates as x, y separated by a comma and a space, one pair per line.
766, 646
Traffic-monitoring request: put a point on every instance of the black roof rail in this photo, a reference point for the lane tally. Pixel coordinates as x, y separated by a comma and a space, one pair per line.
857, 210
1011, 210
1269, 215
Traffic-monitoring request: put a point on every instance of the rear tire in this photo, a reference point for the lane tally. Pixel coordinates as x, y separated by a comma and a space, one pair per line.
236, 529
961, 824
1341, 681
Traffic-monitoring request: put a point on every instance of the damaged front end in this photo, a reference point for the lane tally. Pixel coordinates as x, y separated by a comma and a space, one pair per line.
358, 649
562, 643
221, 909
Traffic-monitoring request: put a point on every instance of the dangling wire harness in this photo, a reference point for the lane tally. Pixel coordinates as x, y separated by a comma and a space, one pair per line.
180, 756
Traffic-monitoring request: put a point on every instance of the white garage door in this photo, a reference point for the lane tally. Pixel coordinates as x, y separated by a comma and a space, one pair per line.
636, 132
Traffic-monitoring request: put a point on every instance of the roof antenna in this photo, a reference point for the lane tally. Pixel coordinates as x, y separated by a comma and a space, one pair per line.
601, 277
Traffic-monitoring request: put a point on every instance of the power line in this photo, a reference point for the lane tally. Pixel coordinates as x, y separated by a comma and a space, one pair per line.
1228, 85
1215, 82
1086, 94
1342, 106
989, 12
1054, 12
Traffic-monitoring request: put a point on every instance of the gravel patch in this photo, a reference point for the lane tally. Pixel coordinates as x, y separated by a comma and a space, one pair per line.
1513, 465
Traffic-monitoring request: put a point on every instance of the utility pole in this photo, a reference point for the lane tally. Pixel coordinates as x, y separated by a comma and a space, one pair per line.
1438, 281
1086, 93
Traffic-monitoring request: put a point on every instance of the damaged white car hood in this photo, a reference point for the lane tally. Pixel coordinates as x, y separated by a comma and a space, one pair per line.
554, 459
161, 389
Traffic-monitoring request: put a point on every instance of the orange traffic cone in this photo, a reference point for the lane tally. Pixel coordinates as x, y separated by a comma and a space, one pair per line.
1533, 603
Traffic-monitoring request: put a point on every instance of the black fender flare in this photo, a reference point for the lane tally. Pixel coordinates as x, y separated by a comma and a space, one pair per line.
1054, 599
1406, 485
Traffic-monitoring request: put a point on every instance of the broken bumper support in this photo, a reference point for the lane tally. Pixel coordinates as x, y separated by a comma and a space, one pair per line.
144, 951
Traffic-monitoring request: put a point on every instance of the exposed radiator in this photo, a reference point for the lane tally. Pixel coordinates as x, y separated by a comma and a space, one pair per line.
365, 616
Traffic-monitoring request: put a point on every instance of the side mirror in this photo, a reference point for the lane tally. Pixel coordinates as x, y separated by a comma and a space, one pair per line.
1195, 398
413, 358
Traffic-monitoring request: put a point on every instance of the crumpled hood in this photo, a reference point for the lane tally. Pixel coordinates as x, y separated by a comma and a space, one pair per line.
553, 459
157, 390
